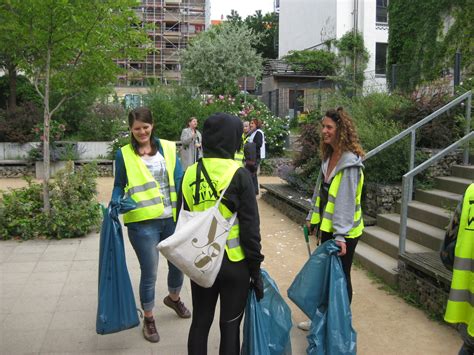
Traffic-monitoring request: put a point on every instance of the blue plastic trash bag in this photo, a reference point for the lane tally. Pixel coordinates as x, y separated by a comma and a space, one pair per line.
116, 309
267, 323
320, 291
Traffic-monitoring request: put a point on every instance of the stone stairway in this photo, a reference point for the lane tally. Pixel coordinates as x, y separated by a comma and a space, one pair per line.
428, 216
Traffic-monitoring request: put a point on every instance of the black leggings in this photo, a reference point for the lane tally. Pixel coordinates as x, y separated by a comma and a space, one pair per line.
346, 260
232, 286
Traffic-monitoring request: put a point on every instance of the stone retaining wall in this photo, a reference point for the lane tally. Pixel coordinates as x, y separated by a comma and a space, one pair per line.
104, 170
17, 171
423, 289
21, 169
381, 198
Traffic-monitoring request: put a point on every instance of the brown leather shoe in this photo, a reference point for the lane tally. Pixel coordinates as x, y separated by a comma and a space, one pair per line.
178, 307
149, 330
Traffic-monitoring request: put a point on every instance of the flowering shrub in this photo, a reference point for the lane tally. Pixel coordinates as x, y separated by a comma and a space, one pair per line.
247, 108
56, 131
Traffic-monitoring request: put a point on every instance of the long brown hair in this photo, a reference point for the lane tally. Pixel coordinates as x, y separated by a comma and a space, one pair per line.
141, 114
347, 137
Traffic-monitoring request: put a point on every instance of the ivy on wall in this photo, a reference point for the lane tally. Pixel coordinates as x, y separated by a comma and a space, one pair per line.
421, 44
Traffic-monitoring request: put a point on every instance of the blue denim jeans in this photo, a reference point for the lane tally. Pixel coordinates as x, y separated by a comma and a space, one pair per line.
144, 237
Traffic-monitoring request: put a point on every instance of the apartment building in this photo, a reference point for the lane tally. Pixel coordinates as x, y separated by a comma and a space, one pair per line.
308, 24
172, 24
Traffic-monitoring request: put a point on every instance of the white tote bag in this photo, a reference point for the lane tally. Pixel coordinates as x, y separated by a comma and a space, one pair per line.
198, 243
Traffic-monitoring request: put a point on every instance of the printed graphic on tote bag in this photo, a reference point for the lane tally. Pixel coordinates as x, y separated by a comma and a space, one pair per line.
210, 250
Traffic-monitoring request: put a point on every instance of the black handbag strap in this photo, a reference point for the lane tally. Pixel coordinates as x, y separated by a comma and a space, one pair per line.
201, 168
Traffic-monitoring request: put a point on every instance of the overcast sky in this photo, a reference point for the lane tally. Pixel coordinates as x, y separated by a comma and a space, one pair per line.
243, 7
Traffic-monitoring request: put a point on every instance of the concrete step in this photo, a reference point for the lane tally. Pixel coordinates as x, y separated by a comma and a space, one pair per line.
377, 262
419, 232
429, 214
453, 184
439, 198
463, 171
387, 242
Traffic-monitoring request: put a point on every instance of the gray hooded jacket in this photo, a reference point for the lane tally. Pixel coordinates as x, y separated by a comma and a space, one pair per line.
344, 207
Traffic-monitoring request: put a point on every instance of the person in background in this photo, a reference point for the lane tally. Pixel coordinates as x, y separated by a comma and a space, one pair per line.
241, 264
148, 171
191, 141
457, 254
239, 155
257, 136
336, 201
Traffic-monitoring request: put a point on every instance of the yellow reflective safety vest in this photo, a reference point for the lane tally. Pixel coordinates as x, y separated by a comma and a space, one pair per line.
142, 186
460, 307
239, 156
326, 220
221, 172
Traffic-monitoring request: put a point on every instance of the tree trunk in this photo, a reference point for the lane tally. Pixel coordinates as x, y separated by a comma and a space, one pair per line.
46, 116
11, 68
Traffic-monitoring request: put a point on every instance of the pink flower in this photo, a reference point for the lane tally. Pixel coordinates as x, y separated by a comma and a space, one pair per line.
221, 97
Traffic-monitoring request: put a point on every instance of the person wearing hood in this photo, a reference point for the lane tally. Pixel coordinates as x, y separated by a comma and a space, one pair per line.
336, 212
240, 267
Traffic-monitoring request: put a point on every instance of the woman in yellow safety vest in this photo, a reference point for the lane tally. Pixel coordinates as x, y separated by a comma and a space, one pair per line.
148, 171
221, 138
336, 211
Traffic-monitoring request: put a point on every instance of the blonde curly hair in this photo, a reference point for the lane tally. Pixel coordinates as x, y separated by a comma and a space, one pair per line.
347, 137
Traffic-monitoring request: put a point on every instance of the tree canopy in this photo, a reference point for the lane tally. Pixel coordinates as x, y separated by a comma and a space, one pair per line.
67, 47
215, 59
264, 25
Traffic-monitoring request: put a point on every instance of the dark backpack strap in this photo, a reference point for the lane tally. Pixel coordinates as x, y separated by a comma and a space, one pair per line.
200, 168
209, 181
198, 182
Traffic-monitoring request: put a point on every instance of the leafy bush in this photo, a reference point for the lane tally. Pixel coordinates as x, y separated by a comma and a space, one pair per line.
172, 107
375, 119
320, 62
74, 209
25, 92
17, 126
103, 123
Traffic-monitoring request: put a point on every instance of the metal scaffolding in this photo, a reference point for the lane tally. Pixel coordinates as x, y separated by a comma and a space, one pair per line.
172, 23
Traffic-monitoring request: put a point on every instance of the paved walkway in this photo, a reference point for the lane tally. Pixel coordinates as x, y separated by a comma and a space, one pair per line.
48, 301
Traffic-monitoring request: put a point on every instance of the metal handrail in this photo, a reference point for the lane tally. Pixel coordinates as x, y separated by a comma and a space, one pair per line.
408, 179
412, 130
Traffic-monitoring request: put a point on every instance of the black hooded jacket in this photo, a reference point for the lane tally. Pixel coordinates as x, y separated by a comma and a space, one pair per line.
221, 138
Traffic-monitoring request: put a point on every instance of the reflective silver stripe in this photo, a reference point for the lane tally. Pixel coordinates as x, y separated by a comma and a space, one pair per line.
151, 202
327, 215
233, 243
174, 204
172, 188
331, 199
357, 223
144, 187
461, 296
357, 208
463, 264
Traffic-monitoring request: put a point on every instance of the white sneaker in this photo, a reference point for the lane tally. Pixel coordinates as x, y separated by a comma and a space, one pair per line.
304, 325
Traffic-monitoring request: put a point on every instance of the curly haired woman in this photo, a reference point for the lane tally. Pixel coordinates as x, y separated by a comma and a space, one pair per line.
337, 197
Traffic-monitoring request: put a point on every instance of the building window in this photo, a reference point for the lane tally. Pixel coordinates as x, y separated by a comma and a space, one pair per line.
381, 14
381, 58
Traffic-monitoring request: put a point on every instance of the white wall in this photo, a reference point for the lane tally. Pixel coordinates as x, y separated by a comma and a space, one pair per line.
86, 150
305, 23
